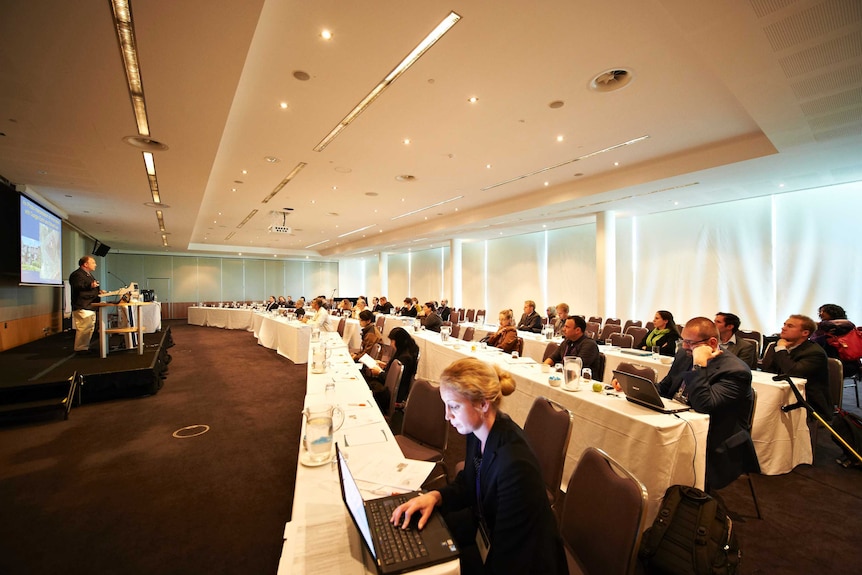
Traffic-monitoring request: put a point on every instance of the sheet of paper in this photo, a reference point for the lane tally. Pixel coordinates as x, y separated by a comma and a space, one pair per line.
383, 475
367, 360
364, 436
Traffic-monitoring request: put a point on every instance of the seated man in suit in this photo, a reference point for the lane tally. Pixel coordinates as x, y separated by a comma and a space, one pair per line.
430, 319
444, 310
530, 321
744, 349
718, 383
577, 344
271, 304
408, 309
795, 354
384, 307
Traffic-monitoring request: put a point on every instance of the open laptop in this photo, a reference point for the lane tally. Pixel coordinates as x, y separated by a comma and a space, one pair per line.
642, 391
393, 549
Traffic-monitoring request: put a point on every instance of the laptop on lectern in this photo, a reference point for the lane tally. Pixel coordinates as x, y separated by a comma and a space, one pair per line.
642, 391
394, 550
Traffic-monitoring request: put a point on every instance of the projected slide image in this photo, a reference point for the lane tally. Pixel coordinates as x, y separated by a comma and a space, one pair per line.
41, 248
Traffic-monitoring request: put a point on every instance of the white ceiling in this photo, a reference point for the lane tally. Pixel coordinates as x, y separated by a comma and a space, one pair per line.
738, 99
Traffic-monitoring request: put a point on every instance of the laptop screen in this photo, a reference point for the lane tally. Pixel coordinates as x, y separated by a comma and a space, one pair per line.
353, 499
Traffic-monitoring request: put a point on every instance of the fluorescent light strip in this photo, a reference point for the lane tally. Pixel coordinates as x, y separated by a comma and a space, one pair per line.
129, 51
247, 218
164, 240
285, 181
427, 207
229, 236
317, 244
358, 230
408, 61
161, 220
150, 164
590, 155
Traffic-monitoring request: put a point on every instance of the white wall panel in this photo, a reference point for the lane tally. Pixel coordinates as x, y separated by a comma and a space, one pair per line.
572, 269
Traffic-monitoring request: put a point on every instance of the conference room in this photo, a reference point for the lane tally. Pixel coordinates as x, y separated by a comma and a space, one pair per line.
622, 158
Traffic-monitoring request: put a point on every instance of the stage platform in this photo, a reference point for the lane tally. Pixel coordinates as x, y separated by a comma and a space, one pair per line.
42, 364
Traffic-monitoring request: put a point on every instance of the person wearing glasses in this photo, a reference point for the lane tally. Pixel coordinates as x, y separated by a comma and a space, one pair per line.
717, 383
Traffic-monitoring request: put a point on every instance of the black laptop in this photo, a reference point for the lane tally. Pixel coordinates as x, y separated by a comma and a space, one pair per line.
642, 391
393, 549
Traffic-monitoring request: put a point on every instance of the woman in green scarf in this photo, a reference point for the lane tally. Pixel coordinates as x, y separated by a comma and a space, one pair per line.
665, 334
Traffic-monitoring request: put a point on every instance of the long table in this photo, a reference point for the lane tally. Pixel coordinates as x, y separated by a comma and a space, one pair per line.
223, 317
321, 538
661, 450
782, 440
289, 339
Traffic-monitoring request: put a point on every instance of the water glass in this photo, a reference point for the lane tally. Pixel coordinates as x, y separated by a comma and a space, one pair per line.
587, 377
656, 351
609, 342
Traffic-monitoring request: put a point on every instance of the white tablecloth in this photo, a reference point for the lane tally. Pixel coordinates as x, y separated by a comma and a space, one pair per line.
352, 334
782, 440
661, 450
225, 318
289, 339
321, 532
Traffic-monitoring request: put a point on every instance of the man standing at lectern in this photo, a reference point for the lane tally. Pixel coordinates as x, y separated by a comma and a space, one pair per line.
85, 292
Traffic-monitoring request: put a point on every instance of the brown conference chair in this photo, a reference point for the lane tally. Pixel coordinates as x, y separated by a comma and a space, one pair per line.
603, 516
600, 376
462, 314
425, 432
608, 330
387, 353
467, 334
550, 350
470, 315
456, 329
520, 346
638, 335
454, 316
614, 320
631, 323
380, 322
596, 318
636, 369
594, 327
622, 340
393, 382
341, 323
376, 351
480, 313
753, 336
548, 428
651, 326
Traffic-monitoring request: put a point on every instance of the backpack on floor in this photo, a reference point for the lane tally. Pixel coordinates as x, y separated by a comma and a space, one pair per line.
691, 535
849, 427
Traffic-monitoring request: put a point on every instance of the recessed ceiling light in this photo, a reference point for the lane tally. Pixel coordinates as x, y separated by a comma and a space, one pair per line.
488, 166
473, 99
406, 141
145, 143
405, 178
283, 105
326, 34
560, 138
556, 104
616, 163
301, 76
245, 172
271, 159
546, 183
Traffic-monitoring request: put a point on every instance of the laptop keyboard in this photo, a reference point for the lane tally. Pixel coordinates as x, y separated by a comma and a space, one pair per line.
396, 545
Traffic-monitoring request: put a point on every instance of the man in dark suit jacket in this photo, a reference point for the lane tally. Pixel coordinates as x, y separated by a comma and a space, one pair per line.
719, 384
530, 321
85, 292
795, 354
744, 349
444, 310
578, 344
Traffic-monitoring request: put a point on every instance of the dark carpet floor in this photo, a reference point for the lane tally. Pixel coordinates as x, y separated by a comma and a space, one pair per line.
112, 491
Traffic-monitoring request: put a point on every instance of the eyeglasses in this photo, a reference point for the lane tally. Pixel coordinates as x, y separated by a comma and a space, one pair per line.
689, 343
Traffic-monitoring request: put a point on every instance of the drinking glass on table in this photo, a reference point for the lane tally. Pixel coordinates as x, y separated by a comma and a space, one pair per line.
609, 342
587, 377
656, 351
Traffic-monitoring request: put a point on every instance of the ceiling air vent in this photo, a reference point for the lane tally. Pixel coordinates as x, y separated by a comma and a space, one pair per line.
611, 80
